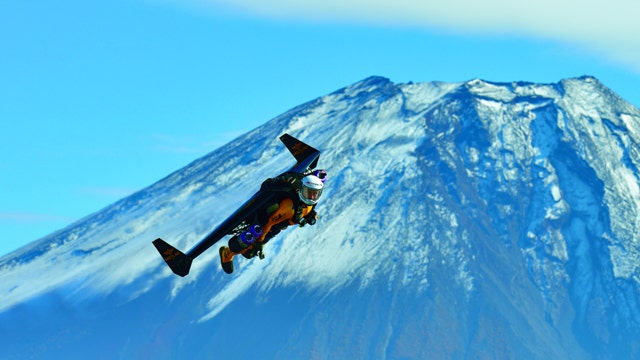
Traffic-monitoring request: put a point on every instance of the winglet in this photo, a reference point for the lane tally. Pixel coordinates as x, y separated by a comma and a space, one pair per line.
301, 151
177, 261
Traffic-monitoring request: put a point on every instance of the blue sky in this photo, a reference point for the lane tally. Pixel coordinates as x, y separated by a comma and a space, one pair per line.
100, 98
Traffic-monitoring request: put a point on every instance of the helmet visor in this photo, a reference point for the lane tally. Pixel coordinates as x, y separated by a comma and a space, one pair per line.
311, 194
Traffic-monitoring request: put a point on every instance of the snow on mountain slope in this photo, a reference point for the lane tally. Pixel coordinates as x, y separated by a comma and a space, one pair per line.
471, 219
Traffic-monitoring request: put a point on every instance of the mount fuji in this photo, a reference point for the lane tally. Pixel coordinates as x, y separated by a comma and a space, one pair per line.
459, 220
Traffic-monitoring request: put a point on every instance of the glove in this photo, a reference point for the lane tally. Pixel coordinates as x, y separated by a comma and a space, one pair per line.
257, 246
311, 217
257, 249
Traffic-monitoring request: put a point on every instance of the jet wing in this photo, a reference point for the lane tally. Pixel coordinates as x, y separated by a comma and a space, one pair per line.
306, 156
180, 263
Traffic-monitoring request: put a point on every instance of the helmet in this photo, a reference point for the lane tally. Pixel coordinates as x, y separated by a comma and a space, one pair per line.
321, 174
310, 189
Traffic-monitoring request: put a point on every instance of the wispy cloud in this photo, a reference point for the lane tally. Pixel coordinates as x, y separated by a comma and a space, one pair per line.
199, 145
174, 144
32, 218
609, 28
104, 191
234, 289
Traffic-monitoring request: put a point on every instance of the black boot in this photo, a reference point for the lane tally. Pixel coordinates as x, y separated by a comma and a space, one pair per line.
226, 259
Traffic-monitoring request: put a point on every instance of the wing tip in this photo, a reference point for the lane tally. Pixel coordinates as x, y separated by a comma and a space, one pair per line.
300, 150
177, 261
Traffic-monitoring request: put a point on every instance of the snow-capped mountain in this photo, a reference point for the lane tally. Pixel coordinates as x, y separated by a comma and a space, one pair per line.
459, 220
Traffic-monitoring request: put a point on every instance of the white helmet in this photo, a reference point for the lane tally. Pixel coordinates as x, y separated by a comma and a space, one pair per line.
310, 189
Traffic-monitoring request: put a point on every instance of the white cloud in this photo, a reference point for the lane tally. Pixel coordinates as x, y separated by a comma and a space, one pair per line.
235, 288
606, 27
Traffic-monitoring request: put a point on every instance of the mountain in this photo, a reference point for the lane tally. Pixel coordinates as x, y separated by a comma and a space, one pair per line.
460, 220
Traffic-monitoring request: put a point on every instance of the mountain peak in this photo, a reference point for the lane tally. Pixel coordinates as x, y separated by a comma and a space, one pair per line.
455, 215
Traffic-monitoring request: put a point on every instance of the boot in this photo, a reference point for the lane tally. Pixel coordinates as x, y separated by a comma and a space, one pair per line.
226, 259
